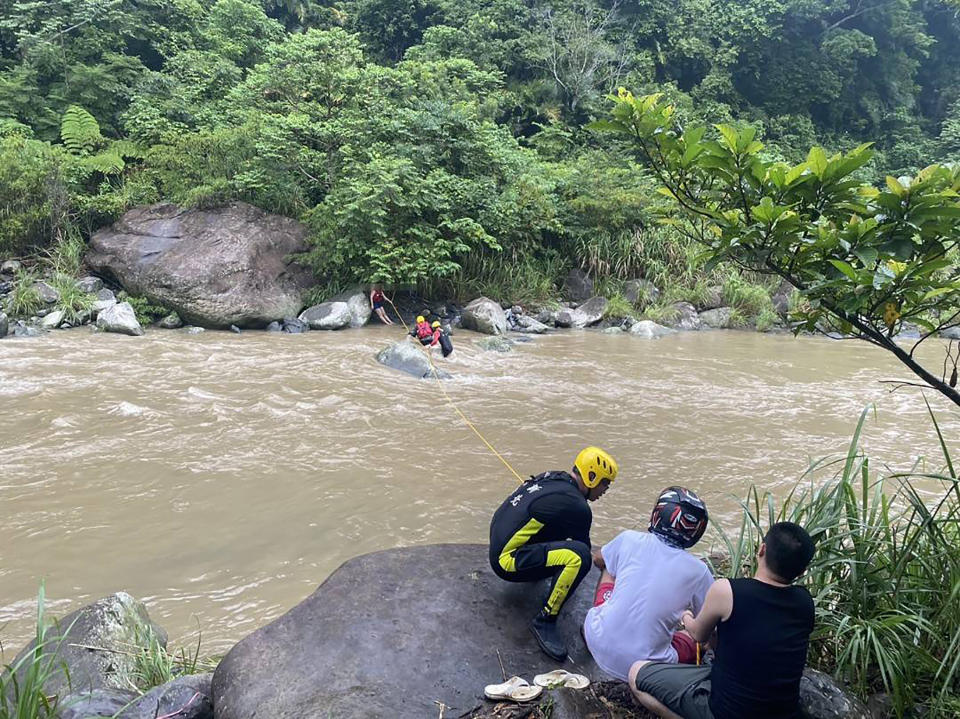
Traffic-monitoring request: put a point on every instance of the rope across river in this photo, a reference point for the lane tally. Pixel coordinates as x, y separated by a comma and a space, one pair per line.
466, 420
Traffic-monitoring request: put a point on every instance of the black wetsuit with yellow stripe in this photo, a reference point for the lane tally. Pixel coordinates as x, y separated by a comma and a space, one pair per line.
542, 530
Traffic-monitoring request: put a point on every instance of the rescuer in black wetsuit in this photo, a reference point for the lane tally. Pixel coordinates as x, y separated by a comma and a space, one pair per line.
542, 531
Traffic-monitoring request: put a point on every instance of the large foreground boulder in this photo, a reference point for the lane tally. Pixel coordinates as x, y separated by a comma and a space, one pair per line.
215, 268
822, 698
389, 634
486, 316
408, 357
96, 646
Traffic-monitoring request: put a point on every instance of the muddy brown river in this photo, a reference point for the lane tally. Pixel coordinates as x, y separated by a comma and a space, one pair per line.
221, 478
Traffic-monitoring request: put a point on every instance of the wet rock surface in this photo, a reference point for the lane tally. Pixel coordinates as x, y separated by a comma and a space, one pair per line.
589, 313
187, 697
406, 356
119, 318
822, 698
486, 316
389, 634
96, 645
649, 329
214, 267
327, 316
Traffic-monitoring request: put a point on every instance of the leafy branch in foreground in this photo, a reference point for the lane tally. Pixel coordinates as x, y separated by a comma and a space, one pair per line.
866, 259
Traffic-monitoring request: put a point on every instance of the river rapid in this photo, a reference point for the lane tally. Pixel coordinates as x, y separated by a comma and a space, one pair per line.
222, 477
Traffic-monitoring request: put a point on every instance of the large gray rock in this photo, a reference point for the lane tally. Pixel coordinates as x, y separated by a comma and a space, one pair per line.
327, 316
547, 317
187, 697
119, 318
96, 646
589, 313
10, 267
712, 299
529, 325
358, 300
685, 317
48, 293
781, 298
717, 319
577, 286
52, 320
650, 330
214, 267
90, 285
407, 356
640, 291
495, 344
345, 652
951, 333
822, 698
4, 324
486, 316
171, 322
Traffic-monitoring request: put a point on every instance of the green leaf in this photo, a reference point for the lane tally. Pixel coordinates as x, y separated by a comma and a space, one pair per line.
866, 255
729, 135
845, 268
817, 161
895, 187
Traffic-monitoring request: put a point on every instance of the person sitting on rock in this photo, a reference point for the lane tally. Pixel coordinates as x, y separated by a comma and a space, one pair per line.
542, 531
422, 331
442, 338
763, 627
647, 581
376, 304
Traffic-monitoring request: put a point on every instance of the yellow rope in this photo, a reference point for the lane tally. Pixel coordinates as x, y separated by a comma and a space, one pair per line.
436, 376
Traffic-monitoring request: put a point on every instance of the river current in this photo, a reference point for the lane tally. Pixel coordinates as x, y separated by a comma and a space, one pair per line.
221, 478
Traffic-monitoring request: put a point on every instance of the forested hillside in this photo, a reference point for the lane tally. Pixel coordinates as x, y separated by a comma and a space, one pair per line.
443, 142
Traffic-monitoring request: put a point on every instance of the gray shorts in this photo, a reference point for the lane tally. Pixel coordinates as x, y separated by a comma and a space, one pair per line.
683, 688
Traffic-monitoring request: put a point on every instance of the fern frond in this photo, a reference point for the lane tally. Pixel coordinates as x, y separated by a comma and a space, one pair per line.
80, 131
127, 149
107, 163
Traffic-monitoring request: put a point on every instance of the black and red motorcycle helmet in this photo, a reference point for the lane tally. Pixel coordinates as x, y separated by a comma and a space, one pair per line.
680, 517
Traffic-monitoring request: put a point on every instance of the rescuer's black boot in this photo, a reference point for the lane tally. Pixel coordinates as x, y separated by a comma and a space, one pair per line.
544, 628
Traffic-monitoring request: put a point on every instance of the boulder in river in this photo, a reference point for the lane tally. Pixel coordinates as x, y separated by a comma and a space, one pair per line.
577, 286
293, 326
327, 316
589, 313
529, 325
408, 357
96, 646
495, 344
717, 319
951, 333
119, 318
649, 330
358, 300
171, 322
390, 633
486, 316
52, 320
4, 324
214, 267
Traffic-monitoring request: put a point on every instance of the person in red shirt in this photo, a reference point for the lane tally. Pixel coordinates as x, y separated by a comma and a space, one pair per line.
376, 304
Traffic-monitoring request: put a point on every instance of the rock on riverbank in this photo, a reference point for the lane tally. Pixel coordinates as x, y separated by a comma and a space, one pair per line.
215, 268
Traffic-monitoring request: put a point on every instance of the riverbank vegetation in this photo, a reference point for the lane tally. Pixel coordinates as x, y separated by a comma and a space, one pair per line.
443, 143
886, 575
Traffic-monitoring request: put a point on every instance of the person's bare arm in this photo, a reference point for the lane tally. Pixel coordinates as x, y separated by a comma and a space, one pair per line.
716, 608
598, 560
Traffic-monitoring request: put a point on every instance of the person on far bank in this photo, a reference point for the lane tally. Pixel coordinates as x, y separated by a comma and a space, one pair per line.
763, 627
542, 531
648, 580
376, 304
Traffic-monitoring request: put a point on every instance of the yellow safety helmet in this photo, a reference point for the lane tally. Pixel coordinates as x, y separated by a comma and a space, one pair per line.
595, 465
435, 324
419, 319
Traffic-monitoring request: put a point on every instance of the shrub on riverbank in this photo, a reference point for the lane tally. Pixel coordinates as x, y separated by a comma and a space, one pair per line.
885, 577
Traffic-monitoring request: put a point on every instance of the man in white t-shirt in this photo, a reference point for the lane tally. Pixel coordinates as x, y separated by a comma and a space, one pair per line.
647, 582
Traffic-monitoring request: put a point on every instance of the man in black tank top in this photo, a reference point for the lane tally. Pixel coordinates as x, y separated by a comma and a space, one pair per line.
542, 531
763, 627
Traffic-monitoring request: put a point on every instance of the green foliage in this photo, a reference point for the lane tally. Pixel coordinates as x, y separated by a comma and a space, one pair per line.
885, 576
27, 169
147, 313
22, 695
74, 303
618, 308
867, 259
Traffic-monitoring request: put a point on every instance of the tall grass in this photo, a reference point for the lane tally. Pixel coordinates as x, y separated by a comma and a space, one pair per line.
22, 694
25, 298
885, 577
